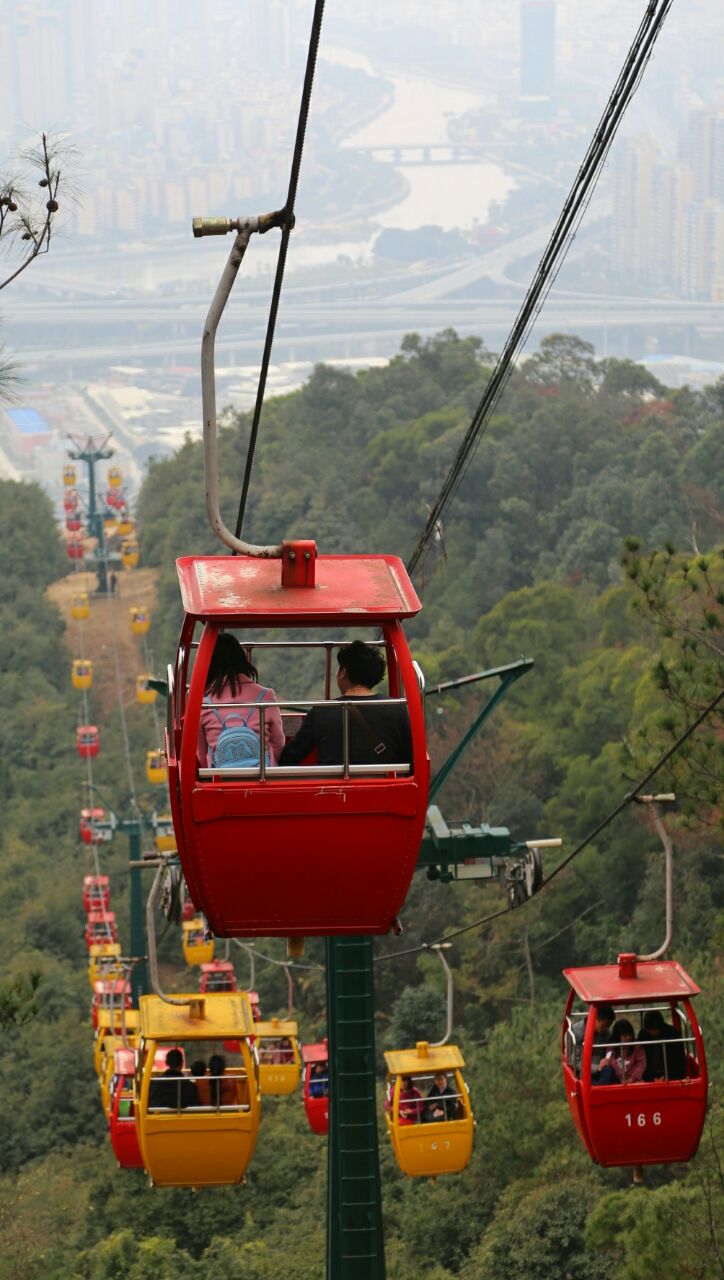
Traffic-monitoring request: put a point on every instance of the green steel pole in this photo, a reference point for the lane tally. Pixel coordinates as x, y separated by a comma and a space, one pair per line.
95, 521
139, 976
355, 1239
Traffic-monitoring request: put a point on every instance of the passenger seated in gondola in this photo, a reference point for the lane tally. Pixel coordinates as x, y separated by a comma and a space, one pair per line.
663, 1061
442, 1103
319, 1081
605, 1016
411, 1106
377, 735
286, 1052
233, 678
626, 1063
172, 1089
223, 1089
200, 1080
270, 1052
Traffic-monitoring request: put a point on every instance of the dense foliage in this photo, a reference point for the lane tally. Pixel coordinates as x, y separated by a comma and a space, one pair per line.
581, 456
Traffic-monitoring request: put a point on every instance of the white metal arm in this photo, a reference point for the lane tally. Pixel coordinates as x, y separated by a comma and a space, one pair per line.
246, 227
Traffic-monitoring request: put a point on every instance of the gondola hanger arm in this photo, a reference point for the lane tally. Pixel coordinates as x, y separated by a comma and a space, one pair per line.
652, 802
439, 949
244, 228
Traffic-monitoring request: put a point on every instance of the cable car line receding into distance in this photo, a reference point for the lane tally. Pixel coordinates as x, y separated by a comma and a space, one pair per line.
203, 800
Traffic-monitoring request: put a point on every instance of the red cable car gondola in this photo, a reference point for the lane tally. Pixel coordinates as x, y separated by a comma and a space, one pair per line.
95, 827
122, 1113
304, 849
96, 893
87, 741
70, 500
108, 994
73, 523
316, 1086
655, 1120
75, 549
100, 927
88, 821
217, 975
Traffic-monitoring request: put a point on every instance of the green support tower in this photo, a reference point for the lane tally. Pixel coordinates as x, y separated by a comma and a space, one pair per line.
355, 1239
90, 450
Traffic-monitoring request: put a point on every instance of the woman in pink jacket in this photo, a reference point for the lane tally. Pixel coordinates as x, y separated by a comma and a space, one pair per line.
233, 678
627, 1062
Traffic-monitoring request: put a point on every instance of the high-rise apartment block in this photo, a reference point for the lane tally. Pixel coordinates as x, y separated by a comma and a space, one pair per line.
668, 219
538, 58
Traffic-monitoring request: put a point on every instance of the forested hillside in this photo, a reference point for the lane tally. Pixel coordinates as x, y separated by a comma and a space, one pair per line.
588, 535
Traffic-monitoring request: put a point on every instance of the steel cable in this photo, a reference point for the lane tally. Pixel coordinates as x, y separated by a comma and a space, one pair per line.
287, 228
550, 264
628, 799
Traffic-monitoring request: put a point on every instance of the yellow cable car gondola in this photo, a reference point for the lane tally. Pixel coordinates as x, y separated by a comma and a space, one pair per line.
197, 1129
156, 766
104, 962
105, 1077
278, 1051
165, 837
144, 693
115, 477
129, 553
197, 948
125, 526
427, 1109
82, 673
69, 474
80, 606
140, 621
111, 1023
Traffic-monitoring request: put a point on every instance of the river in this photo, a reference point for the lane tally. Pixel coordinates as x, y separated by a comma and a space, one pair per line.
449, 196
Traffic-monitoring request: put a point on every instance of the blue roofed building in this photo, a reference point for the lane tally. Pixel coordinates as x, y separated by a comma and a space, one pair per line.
26, 430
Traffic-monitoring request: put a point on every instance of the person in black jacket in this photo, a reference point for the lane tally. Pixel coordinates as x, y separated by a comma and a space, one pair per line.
663, 1061
173, 1089
442, 1103
377, 734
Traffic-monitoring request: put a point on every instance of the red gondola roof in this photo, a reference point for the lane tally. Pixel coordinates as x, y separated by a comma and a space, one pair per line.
315, 1052
656, 980
354, 589
112, 986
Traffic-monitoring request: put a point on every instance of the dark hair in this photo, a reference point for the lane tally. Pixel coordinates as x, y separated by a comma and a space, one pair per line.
654, 1019
228, 663
217, 1065
622, 1028
198, 1068
605, 1012
174, 1059
363, 664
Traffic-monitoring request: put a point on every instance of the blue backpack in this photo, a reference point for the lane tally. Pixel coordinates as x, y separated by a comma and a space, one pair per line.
237, 746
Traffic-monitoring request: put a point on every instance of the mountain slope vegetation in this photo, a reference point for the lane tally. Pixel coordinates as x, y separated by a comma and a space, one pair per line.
586, 535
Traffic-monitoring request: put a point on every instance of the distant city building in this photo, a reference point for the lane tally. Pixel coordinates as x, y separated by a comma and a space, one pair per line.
704, 146
538, 58
668, 219
633, 191
25, 431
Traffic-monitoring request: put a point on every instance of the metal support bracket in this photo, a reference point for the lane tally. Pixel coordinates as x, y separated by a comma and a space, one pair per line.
507, 675
467, 852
